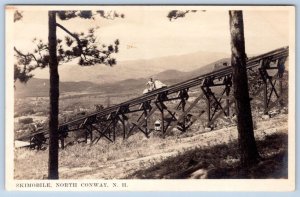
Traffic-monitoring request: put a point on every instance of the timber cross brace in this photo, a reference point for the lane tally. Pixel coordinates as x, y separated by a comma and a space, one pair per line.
182, 104
214, 102
270, 88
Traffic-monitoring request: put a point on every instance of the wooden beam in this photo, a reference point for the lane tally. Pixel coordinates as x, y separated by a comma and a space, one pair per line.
279, 99
140, 123
232, 101
218, 104
184, 114
102, 134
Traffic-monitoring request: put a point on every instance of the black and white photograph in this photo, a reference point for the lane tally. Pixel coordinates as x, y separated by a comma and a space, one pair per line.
150, 98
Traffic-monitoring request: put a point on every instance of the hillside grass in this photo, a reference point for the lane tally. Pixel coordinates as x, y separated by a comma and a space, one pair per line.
194, 154
222, 162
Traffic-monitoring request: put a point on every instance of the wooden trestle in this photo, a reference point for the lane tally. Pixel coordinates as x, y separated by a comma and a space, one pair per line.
214, 88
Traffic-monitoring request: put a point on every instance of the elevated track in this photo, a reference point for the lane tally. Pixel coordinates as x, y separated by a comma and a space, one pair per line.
214, 88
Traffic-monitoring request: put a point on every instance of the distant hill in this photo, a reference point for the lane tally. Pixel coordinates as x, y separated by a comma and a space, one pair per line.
170, 75
40, 87
174, 76
133, 69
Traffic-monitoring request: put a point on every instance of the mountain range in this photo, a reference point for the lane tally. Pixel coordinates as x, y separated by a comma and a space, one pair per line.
132, 69
128, 78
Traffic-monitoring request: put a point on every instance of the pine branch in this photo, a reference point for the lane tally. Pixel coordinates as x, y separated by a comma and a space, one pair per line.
175, 14
90, 54
27, 56
74, 36
68, 32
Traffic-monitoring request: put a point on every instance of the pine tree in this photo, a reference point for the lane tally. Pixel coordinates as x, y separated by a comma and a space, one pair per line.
81, 46
247, 145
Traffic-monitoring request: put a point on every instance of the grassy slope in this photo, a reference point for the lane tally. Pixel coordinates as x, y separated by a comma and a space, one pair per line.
221, 162
190, 155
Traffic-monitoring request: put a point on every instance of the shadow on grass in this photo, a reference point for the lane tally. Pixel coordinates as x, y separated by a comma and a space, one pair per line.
222, 162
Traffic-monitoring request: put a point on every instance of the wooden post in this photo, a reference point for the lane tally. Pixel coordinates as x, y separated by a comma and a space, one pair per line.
146, 121
227, 99
280, 78
114, 130
265, 97
162, 120
208, 108
91, 135
124, 128
183, 120
205, 91
30, 142
86, 133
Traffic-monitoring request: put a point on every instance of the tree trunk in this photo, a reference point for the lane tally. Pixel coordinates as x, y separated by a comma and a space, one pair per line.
54, 96
247, 145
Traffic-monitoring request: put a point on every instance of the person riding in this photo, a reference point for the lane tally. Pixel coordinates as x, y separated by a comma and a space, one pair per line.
151, 85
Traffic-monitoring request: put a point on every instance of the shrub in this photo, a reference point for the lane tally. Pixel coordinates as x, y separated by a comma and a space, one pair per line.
27, 112
25, 120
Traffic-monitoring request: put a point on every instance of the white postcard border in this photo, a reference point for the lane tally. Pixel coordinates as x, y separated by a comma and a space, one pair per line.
149, 185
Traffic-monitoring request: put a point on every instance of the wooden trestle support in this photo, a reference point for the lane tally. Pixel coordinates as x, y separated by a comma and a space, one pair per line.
215, 88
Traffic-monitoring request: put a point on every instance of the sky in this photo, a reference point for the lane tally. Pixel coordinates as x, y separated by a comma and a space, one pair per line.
146, 32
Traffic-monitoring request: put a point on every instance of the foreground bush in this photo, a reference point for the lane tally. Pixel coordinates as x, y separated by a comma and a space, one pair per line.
25, 120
